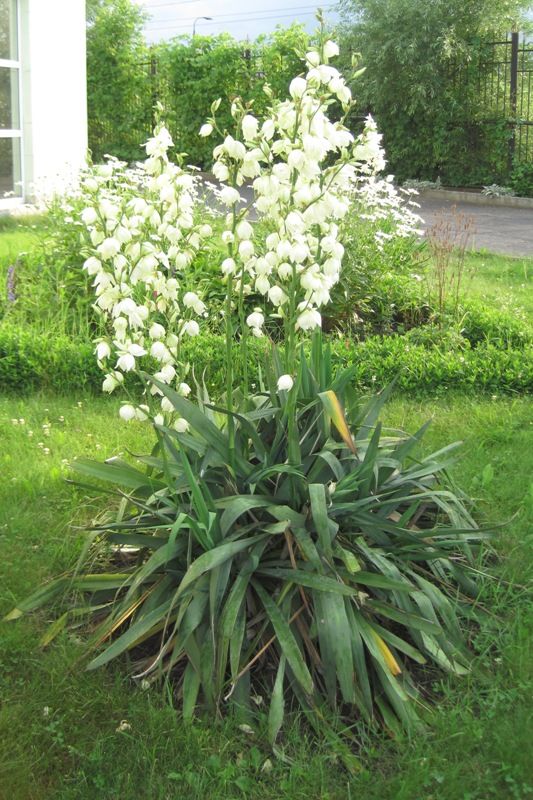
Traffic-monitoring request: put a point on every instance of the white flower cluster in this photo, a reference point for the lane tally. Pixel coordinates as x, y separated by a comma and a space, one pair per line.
307, 174
376, 198
141, 237
303, 167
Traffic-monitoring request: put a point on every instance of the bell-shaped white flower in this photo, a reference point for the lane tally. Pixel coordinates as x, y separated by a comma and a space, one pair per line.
206, 130
297, 87
309, 319
256, 319
191, 328
250, 127
102, 351
285, 383
127, 412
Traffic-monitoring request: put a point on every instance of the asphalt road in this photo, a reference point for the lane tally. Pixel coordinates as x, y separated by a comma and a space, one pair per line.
497, 229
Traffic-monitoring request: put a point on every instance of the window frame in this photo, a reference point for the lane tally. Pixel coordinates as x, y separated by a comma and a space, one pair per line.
15, 133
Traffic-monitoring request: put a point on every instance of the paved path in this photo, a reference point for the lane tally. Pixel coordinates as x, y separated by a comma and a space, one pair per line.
498, 229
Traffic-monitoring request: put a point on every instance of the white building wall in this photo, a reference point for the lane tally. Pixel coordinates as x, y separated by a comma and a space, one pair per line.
54, 93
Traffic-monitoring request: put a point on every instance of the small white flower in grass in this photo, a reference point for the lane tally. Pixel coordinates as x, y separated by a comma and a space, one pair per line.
123, 726
184, 389
181, 425
205, 231
191, 328
127, 412
166, 405
159, 419
285, 383
206, 130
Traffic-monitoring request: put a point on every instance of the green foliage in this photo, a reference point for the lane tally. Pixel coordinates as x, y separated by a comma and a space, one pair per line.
521, 179
53, 294
424, 360
126, 79
311, 581
422, 62
377, 292
29, 361
194, 73
119, 107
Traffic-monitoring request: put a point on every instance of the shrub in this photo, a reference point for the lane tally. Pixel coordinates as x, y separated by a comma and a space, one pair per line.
521, 179
424, 361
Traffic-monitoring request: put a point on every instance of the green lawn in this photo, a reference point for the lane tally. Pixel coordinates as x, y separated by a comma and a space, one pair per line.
503, 281
58, 724
16, 238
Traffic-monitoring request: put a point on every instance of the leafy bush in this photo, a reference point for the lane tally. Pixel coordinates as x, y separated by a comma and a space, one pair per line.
424, 62
185, 75
118, 87
521, 179
424, 360
322, 583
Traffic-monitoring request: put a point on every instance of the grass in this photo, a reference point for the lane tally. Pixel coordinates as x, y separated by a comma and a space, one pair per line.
503, 281
17, 237
58, 724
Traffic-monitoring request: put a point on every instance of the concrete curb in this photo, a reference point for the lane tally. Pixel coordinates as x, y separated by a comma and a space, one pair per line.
474, 198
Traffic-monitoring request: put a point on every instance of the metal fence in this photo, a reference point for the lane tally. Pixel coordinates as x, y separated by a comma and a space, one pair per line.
505, 89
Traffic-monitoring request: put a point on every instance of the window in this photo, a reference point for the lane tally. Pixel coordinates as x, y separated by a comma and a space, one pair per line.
10, 123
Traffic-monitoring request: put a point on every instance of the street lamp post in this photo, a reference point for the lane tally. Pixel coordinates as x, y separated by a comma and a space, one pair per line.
195, 21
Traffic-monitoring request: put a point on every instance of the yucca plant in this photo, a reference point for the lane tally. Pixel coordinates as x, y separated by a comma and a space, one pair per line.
233, 571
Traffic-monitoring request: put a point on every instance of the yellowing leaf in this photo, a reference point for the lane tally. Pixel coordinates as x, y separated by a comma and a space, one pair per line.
334, 410
391, 662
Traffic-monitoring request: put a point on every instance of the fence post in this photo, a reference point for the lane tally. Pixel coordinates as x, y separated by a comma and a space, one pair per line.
513, 98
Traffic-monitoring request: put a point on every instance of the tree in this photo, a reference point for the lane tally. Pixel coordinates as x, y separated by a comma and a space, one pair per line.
418, 54
119, 94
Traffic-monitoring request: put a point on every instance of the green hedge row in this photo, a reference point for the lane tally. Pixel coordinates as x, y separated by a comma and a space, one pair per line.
29, 362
